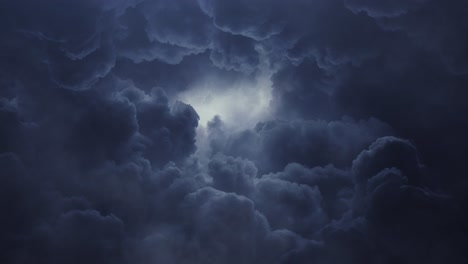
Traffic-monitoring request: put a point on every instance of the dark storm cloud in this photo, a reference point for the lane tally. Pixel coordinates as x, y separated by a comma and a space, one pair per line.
260, 19
235, 52
232, 175
335, 185
174, 78
418, 22
291, 206
387, 152
274, 144
384, 8
399, 62
362, 160
391, 219
143, 35
76, 58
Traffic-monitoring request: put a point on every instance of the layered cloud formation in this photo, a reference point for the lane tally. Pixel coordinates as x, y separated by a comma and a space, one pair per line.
216, 131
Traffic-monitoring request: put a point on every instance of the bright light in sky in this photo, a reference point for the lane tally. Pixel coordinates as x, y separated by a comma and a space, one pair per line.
240, 105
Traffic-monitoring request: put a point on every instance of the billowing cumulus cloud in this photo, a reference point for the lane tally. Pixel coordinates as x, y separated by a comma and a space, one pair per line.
212, 131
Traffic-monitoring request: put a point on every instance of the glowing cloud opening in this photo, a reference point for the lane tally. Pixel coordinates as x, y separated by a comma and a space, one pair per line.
240, 105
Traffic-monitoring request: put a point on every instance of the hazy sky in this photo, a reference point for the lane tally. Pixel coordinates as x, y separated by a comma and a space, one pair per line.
233, 131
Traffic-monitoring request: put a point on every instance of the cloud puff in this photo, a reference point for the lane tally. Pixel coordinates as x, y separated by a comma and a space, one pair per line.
387, 152
290, 205
232, 175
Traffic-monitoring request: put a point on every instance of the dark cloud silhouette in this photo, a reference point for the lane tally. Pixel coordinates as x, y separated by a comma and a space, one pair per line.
360, 158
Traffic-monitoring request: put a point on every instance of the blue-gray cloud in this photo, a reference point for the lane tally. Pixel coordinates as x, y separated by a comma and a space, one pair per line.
361, 160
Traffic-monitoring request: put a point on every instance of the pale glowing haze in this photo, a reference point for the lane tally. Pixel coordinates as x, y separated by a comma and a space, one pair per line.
240, 105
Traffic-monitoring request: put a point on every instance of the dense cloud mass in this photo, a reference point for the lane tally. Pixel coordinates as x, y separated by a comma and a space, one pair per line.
348, 144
